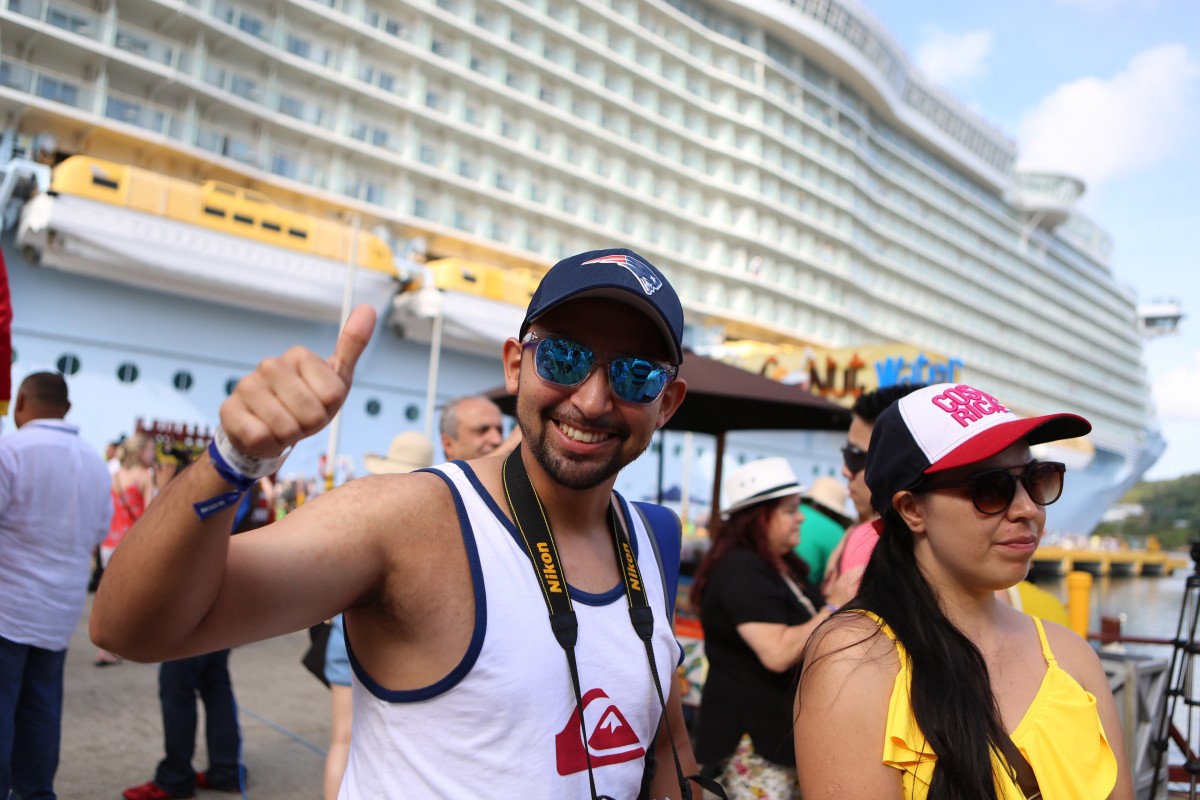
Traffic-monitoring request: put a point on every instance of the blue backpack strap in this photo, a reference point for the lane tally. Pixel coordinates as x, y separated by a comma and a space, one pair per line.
667, 539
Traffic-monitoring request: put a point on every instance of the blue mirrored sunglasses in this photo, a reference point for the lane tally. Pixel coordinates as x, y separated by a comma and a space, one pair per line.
563, 362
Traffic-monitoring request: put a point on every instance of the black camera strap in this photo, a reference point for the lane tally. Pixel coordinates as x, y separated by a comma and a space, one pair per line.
534, 527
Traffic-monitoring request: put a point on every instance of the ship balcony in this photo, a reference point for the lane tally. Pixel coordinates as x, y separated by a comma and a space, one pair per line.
1046, 199
1159, 318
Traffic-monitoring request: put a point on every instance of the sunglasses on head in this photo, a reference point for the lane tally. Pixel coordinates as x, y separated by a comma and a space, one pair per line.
855, 458
563, 362
993, 490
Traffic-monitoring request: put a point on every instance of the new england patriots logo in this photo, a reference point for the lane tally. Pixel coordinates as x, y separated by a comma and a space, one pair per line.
650, 282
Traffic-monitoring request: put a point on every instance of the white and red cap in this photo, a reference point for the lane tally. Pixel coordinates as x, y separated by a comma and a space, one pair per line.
945, 426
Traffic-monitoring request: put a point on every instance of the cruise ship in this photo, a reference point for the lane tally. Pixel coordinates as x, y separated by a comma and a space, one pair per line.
829, 215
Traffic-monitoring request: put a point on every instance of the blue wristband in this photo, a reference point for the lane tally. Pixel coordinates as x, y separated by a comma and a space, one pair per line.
206, 508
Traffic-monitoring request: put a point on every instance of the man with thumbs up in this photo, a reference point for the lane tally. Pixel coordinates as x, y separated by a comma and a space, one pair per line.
464, 690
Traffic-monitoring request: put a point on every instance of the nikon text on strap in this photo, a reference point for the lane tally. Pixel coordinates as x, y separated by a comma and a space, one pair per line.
534, 527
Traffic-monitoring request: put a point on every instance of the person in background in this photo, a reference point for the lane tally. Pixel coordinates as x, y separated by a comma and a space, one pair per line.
409, 451
112, 452
181, 681
132, 489
856, 545
926, 684
54, 510
470, 427
757, 610
824, 525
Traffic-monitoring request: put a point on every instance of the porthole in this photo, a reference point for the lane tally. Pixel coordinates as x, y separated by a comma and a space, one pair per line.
411, 413
68, 363
373, 407
127, 372
230, 385
183, 380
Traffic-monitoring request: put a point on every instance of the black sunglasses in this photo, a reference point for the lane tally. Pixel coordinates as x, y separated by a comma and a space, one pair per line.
993, 490
855, 458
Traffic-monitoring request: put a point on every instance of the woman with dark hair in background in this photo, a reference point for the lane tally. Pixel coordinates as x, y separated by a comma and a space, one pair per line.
927, 685
757, 610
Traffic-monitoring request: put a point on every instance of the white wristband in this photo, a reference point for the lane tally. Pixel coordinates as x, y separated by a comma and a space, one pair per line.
245, 465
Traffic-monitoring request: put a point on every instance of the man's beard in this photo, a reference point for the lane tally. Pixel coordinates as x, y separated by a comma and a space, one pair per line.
564, 467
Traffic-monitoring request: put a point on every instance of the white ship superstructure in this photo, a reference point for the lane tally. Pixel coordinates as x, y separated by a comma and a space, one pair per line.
780, 160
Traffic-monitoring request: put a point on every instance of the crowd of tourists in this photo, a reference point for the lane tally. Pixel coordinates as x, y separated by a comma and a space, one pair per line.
505, 618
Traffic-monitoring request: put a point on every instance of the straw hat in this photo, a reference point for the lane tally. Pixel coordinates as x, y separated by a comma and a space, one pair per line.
409, 451
757, 482
829, 495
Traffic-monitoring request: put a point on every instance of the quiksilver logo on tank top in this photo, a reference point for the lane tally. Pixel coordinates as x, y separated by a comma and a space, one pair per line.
610, 738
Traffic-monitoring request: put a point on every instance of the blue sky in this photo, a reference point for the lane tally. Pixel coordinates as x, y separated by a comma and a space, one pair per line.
1109, 91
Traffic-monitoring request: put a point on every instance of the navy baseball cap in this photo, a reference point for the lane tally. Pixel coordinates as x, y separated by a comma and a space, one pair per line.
615, 274
944, 426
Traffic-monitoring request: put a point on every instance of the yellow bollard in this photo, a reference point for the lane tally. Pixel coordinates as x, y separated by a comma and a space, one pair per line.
1079, 598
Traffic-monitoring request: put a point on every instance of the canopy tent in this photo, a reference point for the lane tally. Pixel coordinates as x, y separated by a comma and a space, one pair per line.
722, 398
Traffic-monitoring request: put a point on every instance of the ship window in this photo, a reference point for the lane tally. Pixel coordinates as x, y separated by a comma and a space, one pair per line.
183, 380
412, 412
299, 234
373, 407
230, 385
127, 372
107, 183
68, 364
243, 218
216, 212
272, 226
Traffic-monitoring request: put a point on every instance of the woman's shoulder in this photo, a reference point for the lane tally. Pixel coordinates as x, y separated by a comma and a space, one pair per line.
1073, 653
850, 668
853, 642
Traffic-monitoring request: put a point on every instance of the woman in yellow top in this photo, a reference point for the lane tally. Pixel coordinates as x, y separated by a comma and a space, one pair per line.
926, 685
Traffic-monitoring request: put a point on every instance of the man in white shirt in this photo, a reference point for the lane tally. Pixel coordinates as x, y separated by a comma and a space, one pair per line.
55, 507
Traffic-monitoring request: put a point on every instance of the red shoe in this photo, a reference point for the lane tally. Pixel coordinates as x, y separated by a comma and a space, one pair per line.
202, 783
150, 791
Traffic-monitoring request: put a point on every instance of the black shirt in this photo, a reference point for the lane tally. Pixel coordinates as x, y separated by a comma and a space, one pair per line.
740, 694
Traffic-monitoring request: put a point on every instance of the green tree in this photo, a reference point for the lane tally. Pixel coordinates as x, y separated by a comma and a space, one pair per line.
1171, 511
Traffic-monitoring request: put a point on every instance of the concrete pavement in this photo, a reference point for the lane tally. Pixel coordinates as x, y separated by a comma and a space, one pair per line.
112, 726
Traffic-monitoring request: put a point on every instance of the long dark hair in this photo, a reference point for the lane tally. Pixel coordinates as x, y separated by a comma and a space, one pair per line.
951, 698
747, 529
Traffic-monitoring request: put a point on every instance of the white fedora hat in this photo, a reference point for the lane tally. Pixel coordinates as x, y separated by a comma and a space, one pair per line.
757, 482
409, 451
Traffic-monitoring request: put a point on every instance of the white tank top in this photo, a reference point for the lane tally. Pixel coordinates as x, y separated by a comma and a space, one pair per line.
503, 723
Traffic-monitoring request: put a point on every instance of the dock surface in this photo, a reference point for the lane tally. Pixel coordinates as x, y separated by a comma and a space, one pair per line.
112, 725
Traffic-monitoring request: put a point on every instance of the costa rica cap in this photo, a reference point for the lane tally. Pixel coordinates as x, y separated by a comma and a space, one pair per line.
616, 274
948, 425
757, 482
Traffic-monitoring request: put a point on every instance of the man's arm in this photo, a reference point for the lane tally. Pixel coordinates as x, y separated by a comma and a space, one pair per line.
665, 785
179, 585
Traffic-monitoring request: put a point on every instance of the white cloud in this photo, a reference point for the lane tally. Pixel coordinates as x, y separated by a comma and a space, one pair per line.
953, 59
1177, 391
1099, 128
